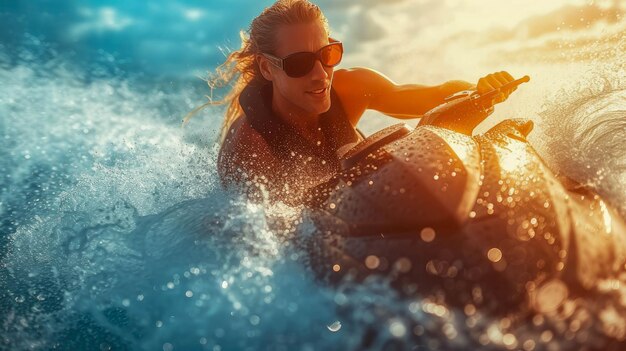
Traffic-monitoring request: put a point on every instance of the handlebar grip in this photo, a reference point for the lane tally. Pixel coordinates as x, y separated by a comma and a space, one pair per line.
508, 85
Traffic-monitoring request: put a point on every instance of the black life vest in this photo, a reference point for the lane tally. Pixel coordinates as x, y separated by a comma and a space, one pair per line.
285, 141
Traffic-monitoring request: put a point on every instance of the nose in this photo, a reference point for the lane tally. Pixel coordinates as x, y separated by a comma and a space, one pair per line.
319, 71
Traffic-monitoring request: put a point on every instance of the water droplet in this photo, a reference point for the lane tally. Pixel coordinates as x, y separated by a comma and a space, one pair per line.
336, 267
334, 327
494, 254
546, 336
509, 340
224, 284
372, 262
469, 309
397, 329
449, 331
428, 234
189, 293
529, 345
550, 296
340, 299
403, 264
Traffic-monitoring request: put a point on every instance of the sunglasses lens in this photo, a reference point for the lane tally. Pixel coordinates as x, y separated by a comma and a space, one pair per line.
299, 64
331, 55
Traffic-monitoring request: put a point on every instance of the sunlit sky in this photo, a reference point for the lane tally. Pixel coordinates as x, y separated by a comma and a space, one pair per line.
183, 38
425, 25
410, 41
429, 42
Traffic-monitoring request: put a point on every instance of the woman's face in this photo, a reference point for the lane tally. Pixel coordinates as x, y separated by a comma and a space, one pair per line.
298, 92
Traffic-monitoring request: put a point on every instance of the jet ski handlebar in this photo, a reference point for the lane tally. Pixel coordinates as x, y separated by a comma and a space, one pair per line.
464, 110
488, 96
461, 112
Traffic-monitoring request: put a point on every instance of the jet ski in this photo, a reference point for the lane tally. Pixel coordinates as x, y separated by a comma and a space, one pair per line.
477, 219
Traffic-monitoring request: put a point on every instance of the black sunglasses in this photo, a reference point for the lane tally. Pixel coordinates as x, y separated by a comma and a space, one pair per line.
300, 64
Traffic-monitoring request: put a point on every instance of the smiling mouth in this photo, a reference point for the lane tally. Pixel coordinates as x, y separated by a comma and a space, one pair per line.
318, 91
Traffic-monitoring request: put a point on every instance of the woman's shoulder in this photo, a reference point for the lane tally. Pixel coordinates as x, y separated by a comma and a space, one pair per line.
352, 88
358, 79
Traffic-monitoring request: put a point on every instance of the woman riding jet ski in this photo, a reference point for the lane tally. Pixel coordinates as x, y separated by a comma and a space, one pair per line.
442, 211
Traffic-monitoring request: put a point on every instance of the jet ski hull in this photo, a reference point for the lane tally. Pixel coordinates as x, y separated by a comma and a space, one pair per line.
442, 212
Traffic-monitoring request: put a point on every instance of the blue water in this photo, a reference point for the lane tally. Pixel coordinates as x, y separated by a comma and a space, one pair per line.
115, 233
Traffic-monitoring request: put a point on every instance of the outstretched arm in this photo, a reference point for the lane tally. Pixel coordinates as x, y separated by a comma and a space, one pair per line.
369, 89
413, 100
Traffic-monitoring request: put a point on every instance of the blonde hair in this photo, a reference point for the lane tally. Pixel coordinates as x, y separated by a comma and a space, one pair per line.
241, 68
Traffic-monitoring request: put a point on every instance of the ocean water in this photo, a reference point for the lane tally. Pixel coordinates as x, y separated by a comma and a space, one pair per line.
116, 235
